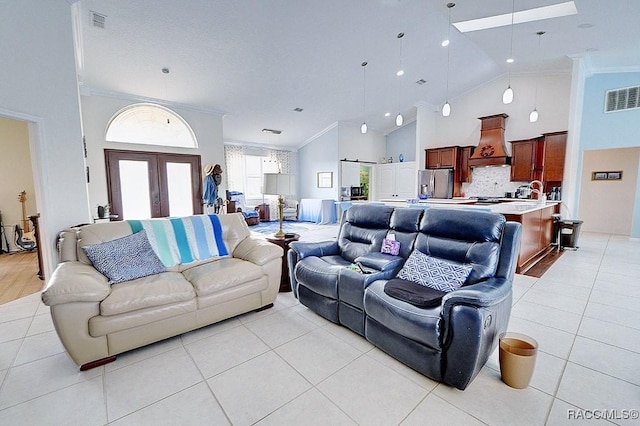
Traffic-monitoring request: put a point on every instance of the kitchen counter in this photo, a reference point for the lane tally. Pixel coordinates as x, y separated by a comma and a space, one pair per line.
519, 208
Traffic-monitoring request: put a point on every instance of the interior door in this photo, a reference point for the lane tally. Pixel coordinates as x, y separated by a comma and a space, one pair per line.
143, 185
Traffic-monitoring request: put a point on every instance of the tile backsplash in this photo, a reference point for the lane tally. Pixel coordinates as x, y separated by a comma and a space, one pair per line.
490, 182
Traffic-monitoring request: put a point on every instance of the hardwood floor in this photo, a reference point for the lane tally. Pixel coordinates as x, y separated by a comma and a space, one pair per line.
545, 263
18, 275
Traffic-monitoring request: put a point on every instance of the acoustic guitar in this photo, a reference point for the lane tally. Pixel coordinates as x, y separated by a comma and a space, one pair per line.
27, 235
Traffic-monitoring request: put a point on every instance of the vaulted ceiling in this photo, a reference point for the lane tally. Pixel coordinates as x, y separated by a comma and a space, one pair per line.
255, 61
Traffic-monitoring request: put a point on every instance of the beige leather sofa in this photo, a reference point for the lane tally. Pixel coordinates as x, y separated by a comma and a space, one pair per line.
96, 321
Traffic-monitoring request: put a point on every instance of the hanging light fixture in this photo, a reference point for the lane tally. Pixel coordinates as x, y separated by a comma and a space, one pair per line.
533, 116
400, 73
507, 96
446, 108
363, 127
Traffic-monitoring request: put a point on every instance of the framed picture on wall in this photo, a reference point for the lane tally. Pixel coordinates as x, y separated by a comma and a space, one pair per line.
614, 175
325, 179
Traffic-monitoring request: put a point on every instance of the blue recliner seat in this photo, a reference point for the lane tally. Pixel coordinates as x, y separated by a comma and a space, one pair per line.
318, 268
449, 342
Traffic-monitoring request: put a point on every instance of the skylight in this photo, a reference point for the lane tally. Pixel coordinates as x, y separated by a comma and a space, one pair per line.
529, 15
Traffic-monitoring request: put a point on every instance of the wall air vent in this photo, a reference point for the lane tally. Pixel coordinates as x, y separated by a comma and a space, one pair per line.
622, 99
98, 20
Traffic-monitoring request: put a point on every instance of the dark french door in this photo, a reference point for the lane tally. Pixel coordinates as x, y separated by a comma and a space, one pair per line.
142, 185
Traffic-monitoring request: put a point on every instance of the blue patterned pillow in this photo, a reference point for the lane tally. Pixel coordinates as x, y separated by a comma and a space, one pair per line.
433, 272
125, 258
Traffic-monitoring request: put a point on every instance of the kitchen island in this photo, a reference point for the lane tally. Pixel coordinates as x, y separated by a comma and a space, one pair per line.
537, 229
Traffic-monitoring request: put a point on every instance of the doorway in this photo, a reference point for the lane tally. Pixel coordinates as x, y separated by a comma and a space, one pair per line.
142, 184
18, 268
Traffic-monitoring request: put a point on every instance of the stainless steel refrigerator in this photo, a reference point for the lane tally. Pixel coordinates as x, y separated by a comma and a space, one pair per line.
436, 183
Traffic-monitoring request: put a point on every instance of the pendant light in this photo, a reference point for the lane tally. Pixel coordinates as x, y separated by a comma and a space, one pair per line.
400, 73
446, 108
507, 96
533, 116
363, 127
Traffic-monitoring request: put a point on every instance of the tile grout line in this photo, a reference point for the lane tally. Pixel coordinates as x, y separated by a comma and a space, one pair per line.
573, 342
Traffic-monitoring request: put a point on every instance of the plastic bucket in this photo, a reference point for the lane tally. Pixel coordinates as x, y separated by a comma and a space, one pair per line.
517, 359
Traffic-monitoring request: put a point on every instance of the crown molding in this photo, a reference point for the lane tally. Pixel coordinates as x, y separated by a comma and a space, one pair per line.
317, 135
258, 145
90, 91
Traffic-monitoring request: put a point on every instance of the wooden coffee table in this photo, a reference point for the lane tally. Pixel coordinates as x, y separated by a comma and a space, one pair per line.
285, 285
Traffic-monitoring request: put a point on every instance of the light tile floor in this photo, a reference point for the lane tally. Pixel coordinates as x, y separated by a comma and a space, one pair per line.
288, 366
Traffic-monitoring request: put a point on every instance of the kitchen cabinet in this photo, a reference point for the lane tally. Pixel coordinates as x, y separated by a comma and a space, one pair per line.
540, 158
555, 145
465, 170
526, 161
396, 180
442, 158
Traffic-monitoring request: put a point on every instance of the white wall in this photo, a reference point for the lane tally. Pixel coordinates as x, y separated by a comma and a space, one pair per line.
402, 141
16, 175
354, 145
319, 155
462, 127
97, 111
39, 85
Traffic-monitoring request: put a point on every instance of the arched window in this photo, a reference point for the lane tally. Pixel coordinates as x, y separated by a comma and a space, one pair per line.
150, 124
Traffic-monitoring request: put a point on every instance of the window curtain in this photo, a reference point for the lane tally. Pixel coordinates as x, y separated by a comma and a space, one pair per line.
234, 163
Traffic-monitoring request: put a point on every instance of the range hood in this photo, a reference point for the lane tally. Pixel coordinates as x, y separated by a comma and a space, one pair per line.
491, 150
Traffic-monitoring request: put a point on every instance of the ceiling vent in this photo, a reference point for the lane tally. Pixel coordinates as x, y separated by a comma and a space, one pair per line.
98, 20
298, 109
421, 82
272, 131
621, 99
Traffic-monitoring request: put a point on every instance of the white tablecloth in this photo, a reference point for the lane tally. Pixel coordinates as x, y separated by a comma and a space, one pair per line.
317, 210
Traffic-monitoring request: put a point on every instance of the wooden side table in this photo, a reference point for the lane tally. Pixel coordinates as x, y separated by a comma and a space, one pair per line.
264, 211
285, 285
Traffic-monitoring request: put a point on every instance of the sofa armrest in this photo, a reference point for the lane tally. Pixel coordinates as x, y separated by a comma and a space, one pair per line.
75, 281
381, 261
483, 294
324, 248
257, 250
473, 317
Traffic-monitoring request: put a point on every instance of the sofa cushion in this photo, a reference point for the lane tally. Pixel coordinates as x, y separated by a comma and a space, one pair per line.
221, 274
320, 274
363, 230
463, 236
414, 293
433, 272
418, 324
125, 258
156, 290
404, 226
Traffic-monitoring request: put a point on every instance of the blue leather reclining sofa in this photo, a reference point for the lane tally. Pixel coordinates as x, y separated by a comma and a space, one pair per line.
449, 342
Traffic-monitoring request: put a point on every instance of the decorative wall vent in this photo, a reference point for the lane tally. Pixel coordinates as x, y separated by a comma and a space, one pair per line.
621, 99
98, 20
